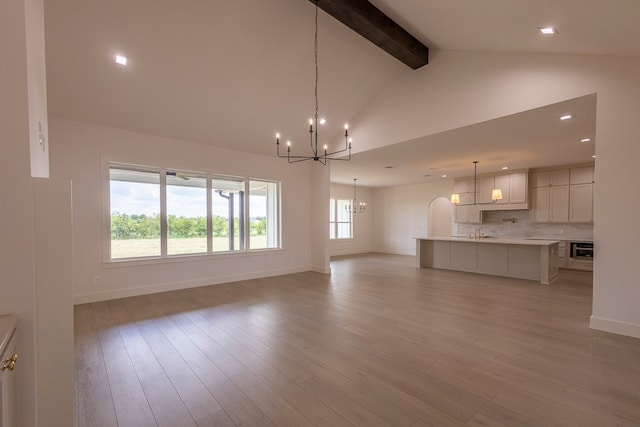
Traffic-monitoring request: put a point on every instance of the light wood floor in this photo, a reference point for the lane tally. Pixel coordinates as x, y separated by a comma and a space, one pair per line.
376, 343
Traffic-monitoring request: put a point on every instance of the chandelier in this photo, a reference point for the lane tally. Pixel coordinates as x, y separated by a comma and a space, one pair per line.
496, 193
316, 154
354, 207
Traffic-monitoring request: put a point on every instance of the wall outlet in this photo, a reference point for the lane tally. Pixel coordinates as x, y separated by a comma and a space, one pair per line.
96, 280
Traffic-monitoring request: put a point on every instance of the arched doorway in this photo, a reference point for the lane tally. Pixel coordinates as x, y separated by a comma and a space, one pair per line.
439, 217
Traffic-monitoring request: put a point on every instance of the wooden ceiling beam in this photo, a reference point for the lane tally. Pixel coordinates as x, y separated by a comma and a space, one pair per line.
372, 24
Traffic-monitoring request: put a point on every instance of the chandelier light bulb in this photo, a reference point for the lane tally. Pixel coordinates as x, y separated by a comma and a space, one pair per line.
315, 154
355, 207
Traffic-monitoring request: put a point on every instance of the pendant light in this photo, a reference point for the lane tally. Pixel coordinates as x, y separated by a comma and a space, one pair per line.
496, 193
354, 207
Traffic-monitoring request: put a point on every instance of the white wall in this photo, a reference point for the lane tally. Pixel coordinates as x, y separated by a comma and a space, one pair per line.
462, 88
319, 242
402, 212
21, 68
37, 89
54, 306
362, 241
78, 152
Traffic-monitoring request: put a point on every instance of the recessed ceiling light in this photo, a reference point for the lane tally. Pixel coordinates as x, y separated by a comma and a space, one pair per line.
323, 121
566, 117
504, 168
585, 140
594, 156
122, 60
548, 30
444, 176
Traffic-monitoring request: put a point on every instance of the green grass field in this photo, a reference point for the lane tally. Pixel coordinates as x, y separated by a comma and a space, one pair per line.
134, 248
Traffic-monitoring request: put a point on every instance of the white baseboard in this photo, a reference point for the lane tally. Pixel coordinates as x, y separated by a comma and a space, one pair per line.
174, 286
615, 326
392, 252
323, 270
356, 252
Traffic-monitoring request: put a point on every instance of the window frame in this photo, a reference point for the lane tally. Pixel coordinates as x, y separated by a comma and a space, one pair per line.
164, 256
335, 224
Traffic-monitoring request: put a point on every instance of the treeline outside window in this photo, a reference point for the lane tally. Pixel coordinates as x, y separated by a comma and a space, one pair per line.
162, 213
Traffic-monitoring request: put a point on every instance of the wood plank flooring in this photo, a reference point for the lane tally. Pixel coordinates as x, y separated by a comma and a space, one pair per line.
376, 343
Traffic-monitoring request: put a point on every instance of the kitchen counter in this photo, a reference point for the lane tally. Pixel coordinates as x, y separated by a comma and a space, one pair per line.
523, 241
519, 258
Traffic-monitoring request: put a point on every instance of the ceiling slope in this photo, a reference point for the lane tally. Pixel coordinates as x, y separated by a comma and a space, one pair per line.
372, 24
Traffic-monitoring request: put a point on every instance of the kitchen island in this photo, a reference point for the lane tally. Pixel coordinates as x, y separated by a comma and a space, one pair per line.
519, 258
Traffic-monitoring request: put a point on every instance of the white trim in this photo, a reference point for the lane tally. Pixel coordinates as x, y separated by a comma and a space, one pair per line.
392, 252
354, 252
322, 270
106, 165
615, 326
133, 262
173, 286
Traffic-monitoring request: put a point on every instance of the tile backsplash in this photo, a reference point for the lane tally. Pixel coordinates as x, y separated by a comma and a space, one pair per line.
515, 223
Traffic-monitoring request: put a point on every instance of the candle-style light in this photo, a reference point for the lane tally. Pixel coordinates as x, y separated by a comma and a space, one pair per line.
355, 207
341, 154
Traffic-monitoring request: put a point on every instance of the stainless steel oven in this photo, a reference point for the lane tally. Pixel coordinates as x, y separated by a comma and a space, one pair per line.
581, 250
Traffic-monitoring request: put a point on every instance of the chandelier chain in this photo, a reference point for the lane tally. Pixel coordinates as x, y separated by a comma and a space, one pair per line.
315, 52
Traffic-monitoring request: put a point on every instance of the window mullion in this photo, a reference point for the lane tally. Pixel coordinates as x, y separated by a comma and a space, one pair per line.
209, 215
163, 213
247, 215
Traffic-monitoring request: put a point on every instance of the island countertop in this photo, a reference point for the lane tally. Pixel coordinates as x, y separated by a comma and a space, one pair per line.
530, 242
519, 258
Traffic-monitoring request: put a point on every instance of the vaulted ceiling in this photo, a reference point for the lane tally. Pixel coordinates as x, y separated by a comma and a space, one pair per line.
233, 73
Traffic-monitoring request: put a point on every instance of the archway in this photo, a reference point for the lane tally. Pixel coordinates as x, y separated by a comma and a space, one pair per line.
439, 217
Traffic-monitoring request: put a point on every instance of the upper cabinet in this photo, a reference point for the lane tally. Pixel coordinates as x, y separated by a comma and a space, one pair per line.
514, 188
467, 212
562, 195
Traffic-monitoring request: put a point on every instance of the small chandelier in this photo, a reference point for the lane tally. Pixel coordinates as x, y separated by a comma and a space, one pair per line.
354, 207
317, 155
496, 193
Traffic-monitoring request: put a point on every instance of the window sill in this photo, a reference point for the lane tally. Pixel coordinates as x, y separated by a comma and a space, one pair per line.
134, 262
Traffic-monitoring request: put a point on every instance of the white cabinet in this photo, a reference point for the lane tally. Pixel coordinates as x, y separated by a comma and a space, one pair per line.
559, 203
540, 204
514, 188
581, 203
485, 188
581, 194
562, 254
550, 178
582, 175
469, 214
550, 196
517, 188
562, 195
